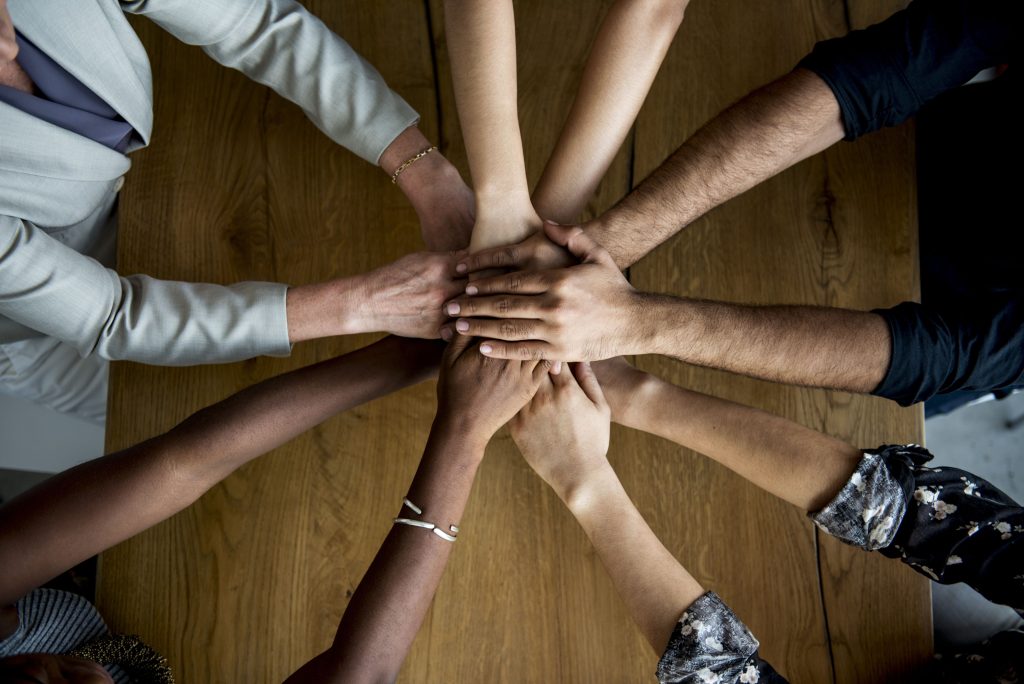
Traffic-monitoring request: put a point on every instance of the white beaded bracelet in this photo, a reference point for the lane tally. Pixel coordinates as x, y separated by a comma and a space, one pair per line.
426, 525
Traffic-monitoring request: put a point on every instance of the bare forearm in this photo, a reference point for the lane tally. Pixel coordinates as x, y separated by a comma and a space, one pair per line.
623, 62
88, 509
797, 345
327, 309
802, 466
381, 621
268, 414
481, 44
768, 131
655, 587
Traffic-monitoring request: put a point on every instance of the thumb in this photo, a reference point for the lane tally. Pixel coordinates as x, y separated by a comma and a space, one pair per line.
456, 347
573, 238
588, 383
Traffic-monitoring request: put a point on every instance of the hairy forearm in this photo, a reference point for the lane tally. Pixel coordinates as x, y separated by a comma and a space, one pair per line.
651, 582
768, 131
381, 621
797, 345
626, 55
91, 507
802, 466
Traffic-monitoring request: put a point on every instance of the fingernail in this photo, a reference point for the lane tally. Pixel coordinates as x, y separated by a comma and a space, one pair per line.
557, 368
453, 308
446, 334
554, 223
461, 268
462, 326
485, 349
471, 289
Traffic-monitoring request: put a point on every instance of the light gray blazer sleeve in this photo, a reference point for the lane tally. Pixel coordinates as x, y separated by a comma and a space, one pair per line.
281, 45
49, 287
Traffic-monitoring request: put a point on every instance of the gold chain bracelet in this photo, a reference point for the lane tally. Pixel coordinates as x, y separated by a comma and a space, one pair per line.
409, 162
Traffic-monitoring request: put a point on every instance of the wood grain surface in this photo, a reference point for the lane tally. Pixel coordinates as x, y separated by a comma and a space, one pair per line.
251, 581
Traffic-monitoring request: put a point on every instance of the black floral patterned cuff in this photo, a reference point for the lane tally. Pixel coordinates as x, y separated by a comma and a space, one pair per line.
868, 510
711, 645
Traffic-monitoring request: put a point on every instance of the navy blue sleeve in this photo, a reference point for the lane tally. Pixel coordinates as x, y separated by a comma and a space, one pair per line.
884, 74
969, 346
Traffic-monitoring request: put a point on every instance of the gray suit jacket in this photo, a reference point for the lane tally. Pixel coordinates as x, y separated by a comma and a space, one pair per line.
58, 189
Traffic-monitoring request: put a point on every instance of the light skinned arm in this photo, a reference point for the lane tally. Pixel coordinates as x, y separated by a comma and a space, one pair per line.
802, 466
766, 132
482, 47
87, 509
590, 312
403, 297
476, 396
627, 53
563, 434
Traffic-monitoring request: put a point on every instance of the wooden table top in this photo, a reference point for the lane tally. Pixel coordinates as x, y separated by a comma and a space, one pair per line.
249, 583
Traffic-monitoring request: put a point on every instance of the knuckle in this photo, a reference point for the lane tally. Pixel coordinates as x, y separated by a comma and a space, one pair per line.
504, 305
510, 329
515, 283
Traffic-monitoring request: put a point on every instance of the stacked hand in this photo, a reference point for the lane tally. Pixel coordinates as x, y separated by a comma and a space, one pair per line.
584, 312
404, 297
477, 395
563, 431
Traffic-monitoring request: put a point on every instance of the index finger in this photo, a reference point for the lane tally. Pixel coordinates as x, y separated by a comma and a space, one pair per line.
519, 282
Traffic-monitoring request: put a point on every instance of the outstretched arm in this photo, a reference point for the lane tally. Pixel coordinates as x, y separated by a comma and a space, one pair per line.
627, 53
563, 434
98, 504
803, 466
482, 47
947, 524
476, 396
590, 312
769, 130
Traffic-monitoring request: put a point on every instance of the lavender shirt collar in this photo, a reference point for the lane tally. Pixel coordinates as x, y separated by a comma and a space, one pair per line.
65, 101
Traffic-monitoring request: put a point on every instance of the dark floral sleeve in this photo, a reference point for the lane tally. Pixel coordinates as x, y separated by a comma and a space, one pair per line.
710, 645
946, 523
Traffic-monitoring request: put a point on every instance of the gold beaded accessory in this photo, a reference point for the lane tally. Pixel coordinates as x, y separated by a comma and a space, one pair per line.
143, 664
410, 161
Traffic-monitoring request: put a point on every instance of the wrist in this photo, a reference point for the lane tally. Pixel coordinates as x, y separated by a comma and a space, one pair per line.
634, 396
644, 313
324, 310
460, 432
590, 491
408, 144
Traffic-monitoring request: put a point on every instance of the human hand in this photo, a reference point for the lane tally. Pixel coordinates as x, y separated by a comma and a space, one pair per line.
535, 253
477, 395
586, 312
563, 432
405, 297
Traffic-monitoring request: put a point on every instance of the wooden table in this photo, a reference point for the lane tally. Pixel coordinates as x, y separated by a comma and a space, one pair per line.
250, 582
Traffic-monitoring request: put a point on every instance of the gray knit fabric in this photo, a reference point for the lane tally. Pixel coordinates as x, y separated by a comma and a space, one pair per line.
52, 621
